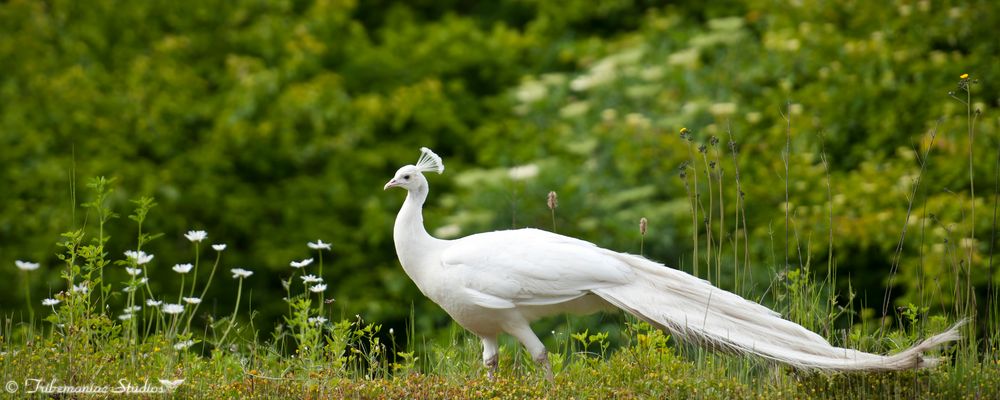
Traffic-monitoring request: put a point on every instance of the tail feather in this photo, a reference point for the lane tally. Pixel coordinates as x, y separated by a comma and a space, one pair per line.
694, 310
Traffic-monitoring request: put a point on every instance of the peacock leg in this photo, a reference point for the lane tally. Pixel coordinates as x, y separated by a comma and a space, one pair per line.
524, 334
490, 355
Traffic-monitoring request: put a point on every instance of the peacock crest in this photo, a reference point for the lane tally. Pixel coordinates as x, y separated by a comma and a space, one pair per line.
429, 162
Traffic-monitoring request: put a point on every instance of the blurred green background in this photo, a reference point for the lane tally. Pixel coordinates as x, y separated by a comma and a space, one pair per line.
273, 123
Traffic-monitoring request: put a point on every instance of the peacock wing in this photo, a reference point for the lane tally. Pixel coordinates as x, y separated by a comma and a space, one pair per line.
505, 269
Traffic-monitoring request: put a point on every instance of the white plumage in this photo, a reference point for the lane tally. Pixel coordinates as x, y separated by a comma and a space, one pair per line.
501, 281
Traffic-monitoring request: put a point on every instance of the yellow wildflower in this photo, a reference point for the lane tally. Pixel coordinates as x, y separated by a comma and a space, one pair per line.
964, 76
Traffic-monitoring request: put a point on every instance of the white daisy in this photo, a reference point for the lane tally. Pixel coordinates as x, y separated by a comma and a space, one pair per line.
300, 264
125, 317
311, 279
196, 236
133, 271
132, 309
318, 288
192, 300
319, 245
140, 257
50, 302
183, 345
317, 320
82, 288
219, 246
26, 265
153, 303
240, 273
171, 384
173, 308
182, 268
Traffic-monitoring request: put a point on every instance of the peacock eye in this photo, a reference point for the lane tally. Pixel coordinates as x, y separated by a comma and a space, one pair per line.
407, 177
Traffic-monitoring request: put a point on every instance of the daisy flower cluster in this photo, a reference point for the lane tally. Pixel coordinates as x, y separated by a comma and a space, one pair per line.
306, 316
143, 307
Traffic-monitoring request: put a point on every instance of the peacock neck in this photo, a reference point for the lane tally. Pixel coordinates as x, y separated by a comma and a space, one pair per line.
413, 243
410, 221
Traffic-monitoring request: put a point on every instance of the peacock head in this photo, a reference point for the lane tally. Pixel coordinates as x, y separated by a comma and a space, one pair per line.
411, 177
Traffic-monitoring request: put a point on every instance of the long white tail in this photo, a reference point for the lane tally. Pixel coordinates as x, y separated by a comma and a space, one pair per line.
692, 309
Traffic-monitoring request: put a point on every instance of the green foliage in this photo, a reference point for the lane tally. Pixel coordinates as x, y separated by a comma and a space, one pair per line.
586, 340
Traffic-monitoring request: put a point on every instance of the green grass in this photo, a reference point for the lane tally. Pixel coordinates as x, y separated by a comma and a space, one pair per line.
648, 366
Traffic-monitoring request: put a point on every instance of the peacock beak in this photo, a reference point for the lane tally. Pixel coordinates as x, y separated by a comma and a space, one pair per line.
392, 183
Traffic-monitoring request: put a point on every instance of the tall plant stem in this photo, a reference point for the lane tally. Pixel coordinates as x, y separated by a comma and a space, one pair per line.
740, 214
787, 115
971, 120
694, 210
708, 219
232, 319
909, 211
27, 296
194, 277
218, 256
